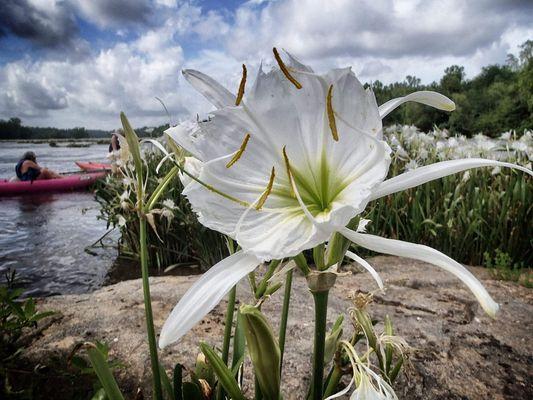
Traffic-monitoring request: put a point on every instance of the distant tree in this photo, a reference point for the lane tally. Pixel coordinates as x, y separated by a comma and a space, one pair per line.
453, 80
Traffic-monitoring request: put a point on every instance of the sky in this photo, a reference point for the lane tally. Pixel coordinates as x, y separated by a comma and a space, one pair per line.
68, 63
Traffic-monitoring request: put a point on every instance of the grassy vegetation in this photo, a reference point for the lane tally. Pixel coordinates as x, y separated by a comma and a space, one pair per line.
464, 215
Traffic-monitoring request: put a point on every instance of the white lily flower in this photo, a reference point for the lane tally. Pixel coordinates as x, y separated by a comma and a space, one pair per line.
169, 203
121, 221
411, 165
292, 163
368, 384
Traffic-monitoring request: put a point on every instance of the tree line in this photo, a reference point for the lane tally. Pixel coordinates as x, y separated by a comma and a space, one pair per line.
498, 99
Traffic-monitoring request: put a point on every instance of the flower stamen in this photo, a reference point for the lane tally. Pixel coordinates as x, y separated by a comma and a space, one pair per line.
331, 115
285, 70
267, 191
239, 152
288, 168
240, 94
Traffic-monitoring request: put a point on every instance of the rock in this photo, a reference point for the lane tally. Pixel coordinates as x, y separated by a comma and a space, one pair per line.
461, 353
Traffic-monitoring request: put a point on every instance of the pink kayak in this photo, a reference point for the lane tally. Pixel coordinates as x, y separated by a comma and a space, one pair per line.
91, 166
68, 183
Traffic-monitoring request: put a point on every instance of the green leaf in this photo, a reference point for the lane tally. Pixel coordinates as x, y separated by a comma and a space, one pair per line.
191, 391
395, 371
160, 189
264, 351
239, 342
388, 347
225, 376
177, 379
104, 374
42, 315
99, 395
29, 308
133, 143
167, 386
332, 339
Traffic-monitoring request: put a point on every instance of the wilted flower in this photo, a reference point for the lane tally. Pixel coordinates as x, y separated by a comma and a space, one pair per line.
290, 164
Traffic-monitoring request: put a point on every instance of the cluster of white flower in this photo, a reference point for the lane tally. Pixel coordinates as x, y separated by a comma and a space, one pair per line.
417, 148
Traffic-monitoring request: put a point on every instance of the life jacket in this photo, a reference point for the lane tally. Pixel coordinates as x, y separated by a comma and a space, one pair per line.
30, 175
18, 168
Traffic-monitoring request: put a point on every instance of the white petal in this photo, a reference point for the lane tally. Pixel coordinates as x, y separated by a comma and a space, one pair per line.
194, 167
426, 254
435, 171
427, 97
205, 294
366, 266
213, 91
342, 392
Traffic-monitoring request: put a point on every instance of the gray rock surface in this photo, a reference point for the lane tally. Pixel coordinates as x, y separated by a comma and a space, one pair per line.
460, 352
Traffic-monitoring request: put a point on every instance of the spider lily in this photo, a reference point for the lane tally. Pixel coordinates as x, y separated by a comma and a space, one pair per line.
369, 385
290, 162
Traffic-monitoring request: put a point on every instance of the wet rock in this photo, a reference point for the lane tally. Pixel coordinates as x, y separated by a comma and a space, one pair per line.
461, 353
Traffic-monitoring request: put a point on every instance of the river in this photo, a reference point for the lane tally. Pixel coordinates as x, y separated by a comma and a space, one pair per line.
44, 237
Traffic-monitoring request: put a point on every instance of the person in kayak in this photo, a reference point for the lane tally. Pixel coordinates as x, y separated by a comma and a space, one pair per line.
115, 144
114, 151
27, 169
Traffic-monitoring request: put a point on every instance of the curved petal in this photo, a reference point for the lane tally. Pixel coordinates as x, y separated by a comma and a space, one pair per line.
435, 171
426, 254
427, 97
213, 91
194, 167
367, 266
205, 294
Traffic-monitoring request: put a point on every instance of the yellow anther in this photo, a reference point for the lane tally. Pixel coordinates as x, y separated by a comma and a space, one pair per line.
331, 115
285, 70
240, 94
288, 168
267, 191
239, 152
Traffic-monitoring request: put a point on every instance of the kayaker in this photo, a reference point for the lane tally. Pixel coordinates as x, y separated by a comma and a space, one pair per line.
115, 144
27, 169
114, 151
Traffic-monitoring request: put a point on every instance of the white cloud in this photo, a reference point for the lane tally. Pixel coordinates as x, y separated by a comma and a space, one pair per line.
381, 39
92, 93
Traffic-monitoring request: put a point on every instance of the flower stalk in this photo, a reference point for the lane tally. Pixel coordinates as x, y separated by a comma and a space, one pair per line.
321, 312
284, 316
227, 333
133, 144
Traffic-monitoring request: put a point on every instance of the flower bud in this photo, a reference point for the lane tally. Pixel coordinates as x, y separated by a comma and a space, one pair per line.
203, 370
264, 351
332, 339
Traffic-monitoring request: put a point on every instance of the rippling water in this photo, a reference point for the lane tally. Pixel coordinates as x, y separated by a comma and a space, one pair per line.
44, 237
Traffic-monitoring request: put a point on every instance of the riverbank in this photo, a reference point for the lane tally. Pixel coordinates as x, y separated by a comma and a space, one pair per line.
460, 352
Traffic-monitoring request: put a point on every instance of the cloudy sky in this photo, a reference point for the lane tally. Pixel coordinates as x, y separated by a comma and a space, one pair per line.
80, 62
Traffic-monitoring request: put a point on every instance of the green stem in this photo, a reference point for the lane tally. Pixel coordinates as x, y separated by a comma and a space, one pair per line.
158, 394
284, 316
260, 291
334, 380
227, 333
321, 312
